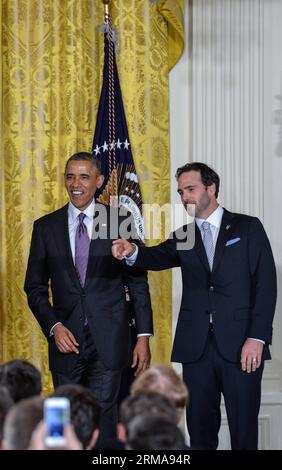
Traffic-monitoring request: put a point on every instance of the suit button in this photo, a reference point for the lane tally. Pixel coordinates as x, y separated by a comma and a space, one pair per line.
211, 289
83, 295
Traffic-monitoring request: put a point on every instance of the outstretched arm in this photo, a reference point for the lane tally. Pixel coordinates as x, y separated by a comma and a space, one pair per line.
155, 258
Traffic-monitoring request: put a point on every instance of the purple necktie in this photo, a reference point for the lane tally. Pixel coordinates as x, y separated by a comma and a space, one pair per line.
82, 243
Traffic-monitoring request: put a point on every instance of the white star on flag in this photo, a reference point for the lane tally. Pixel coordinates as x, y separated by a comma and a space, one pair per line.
97, 150
105, 146
126, 144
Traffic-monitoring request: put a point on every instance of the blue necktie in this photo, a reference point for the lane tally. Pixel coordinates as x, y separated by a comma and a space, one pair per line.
208, 242
82, 244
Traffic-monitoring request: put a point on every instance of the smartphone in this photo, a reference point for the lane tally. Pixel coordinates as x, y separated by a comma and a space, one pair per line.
56, 417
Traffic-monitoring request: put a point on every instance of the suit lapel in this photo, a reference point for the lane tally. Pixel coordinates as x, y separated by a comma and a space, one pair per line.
61, 236
96, 248
225, 231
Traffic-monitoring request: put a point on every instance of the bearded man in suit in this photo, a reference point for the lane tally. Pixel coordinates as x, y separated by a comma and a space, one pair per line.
228, 302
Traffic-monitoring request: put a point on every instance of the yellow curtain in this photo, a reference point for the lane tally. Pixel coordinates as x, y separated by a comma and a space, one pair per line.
173, 12
51, 73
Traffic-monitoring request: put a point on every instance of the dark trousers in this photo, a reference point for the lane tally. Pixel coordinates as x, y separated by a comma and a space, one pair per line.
104, 383
206, 380
128, 374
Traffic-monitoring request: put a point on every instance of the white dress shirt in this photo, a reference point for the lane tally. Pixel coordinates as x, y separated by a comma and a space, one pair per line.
215, 222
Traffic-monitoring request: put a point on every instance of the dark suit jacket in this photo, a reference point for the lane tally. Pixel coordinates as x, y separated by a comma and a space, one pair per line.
102, 300
240, 292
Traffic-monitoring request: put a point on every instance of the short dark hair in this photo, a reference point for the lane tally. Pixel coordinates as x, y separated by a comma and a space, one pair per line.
154, 433
208, 175
85, 410
87, 157
22, 379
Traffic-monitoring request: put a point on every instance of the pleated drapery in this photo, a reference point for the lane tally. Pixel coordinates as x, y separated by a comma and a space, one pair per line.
50, 80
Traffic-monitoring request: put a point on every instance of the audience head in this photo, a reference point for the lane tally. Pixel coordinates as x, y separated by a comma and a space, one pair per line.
154, 433
21, 421
22, 379
147, 403
164, 380
85, 412
6, 403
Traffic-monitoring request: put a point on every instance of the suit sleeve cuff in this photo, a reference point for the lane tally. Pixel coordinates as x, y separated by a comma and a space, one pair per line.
130, 260
52, 329
259, 340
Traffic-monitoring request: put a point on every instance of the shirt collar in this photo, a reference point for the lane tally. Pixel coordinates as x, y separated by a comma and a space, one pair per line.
73, 211
214, 219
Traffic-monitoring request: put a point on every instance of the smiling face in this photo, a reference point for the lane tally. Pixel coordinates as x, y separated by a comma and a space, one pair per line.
192, 191
81, 182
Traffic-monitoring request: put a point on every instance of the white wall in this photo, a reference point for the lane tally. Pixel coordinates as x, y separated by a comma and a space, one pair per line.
179, 141
226, 110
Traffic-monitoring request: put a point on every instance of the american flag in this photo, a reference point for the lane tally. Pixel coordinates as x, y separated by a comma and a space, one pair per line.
111, 143
112, 146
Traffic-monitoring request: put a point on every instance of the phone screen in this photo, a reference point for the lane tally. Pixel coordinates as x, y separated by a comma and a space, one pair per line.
56, 420
56, 416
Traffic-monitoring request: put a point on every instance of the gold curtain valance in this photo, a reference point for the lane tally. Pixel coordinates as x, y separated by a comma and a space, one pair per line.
173, 12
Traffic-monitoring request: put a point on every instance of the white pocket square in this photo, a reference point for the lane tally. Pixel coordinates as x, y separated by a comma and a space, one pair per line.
231, 242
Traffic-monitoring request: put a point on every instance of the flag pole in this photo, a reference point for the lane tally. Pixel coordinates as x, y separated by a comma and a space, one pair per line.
106, 7
113, 186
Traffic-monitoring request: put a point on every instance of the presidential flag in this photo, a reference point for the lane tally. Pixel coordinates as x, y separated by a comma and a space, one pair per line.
111, 145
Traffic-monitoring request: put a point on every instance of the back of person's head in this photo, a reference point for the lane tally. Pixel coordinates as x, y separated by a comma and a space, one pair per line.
154, 433
147, 403
6, 403
22, 379
21, 421
85, 412
164, 380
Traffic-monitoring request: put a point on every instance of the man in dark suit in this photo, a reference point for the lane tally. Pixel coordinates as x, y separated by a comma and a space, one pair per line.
225, 322
86, 323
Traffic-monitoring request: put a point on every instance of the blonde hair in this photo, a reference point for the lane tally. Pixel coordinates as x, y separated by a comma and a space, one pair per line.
164, 380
